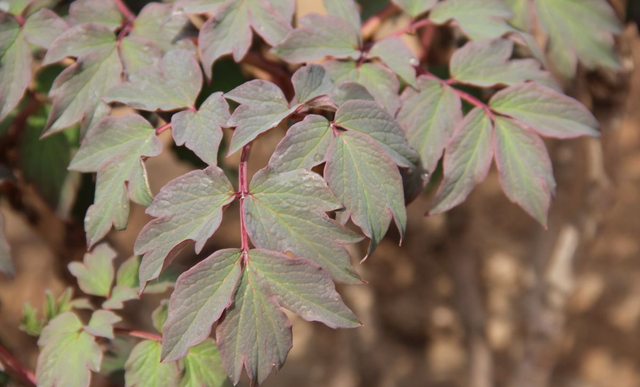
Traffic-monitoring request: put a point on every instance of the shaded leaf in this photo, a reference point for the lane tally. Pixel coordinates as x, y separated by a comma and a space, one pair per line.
286, 212
102, 12
188, 208
96, 273
524, 168
160, 314
429, 117
15, 64
546, 111
167, 31
466, 162
201, 131
347, 91
203, 367
415, 7
120, 294
81, 41
202, 294
304, 146
173, 84
138, 53
43, 27
310, 82
6, 265
143, 367
366, 180
30, 323
397, 55
480, 19
101, 324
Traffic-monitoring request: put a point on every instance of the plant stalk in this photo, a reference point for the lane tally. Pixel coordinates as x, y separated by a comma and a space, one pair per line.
16, 369
244, 191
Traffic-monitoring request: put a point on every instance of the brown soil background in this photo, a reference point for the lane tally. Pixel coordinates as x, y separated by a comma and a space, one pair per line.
478, 297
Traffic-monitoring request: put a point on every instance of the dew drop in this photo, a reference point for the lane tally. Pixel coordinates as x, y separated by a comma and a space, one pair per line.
425, 175
317, 157
414, 62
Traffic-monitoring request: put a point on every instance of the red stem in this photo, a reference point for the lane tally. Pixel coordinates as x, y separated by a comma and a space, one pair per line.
372, 24
126, 12
138, 334
412, 27
244, 191
465, 96
163, 128
16, 369
20, 19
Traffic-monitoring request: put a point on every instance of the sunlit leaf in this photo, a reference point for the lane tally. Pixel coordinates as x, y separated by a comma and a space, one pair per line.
143, 368
397, 55
15, 64
96, 273
101, 324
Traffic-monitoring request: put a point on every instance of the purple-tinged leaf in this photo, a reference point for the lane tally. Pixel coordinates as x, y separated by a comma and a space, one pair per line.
304, 146
486, 63
165, 30
254, 333
173, 84
524, 168
101, 324
43, 27
397, 55
319, 36
579, 30
347, 91
286, 8
81, 42
6, 265
429, 117
370, 118
138, 53
287, 212
96, 273
262, 107
15, 64
546, 111
478, 19
415, 7
201, 131
379, 81
466, 162
203, 367
311, 81
202, 293
102, 12
199, 6
367, 181
346, 10
302, 287
188, 208
143, 367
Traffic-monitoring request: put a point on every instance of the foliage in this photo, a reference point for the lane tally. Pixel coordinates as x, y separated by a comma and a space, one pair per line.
366, 123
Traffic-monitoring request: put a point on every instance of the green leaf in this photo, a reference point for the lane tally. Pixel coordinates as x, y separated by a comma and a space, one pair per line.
397, 55
480, 19
466, 162
262, 107
228, 31
486, 63
15, 64
143, 368
429, 116
346, 10
201, 131
102, 12
173, 84
320, 36
30, 323
379, 81
43, 27
167, 31
120, 294
415, 7
366, 180
202, 293
138, 53
203, 367
160, 314
287, 212
522, 13
579, 30
68, 355
101, 324
546, 111
311, 81
524, 168
96, 273
254, 333
6, 265
127, 274
369, 118
304, 146
188, 208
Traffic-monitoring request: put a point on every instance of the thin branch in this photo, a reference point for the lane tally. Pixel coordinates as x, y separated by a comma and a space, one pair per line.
372, 24
138, 334
411, 28
20, 19
16, 369
244, 191
126, 12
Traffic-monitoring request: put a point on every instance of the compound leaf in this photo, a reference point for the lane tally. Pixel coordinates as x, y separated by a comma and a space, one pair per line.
201, 131
546, 111
15, 64
81, 41
115, 149
96, 273
188, 208
102, 12
524, 168
120, 294
138, 53
317, 37
370, 118
486, 63
173, 84
397, 55
101, 324
167, 31
347, 91
415, 7
262, 107
429, 116
202, 293
203, 367
479, 19
6, 265
304, 146
367, 181
43, 27
68, 355
143, 367
286, 212
311, 81
346, 10
466, 162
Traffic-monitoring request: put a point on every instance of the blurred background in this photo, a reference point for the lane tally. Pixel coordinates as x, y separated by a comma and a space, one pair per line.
481, 296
